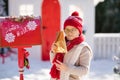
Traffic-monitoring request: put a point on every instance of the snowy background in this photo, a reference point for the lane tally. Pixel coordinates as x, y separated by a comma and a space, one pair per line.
39, 70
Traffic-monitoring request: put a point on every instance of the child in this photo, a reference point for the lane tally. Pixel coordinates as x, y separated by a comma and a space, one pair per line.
76, 61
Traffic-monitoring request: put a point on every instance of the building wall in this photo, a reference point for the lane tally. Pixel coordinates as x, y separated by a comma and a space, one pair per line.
14, 6
84, 7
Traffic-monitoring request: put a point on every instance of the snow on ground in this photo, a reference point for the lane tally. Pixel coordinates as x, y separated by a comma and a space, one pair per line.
39, 70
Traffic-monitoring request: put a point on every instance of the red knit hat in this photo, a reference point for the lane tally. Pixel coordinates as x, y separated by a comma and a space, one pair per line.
75, 21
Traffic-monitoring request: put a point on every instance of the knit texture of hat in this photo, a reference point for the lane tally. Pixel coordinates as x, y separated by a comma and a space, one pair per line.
75, 21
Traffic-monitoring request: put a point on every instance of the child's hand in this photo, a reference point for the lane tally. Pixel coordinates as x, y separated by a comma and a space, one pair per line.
61, 66
53, 47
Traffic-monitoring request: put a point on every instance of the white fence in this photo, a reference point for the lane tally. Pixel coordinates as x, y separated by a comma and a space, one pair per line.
106, 45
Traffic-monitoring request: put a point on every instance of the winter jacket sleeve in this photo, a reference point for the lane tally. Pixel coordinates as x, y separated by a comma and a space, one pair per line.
81, 67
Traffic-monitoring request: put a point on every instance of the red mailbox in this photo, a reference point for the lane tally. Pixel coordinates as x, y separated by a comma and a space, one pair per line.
20, 32
24, 32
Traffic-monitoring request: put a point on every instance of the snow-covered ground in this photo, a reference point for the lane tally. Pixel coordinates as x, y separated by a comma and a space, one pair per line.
39, 70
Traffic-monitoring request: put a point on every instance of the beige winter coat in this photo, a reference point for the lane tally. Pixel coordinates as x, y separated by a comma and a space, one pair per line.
78, 61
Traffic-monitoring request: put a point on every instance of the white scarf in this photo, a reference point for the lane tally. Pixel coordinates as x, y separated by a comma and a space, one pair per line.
71, 57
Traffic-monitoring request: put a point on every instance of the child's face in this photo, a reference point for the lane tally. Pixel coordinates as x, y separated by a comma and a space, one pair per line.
71, 32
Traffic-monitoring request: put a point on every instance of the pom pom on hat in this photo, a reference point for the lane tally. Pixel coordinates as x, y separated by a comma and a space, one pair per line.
75, 21
75, 13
